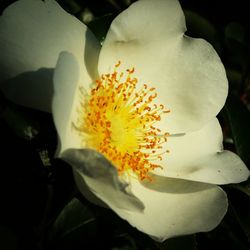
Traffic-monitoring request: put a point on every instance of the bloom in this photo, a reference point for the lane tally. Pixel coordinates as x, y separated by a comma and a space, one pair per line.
100, 129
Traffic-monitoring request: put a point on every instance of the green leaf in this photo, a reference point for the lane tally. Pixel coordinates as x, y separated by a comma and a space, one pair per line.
70, 6
238, 54
100, 26
237, 47
74, 227
235, 31
243, 187
240, 206
239, 119
235, 79
184, 242
126, 242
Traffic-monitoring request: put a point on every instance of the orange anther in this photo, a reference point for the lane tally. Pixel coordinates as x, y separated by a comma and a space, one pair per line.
120, 122
118, 64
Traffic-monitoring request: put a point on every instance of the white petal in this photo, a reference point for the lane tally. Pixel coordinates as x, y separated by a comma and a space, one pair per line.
221, 168
101, 177
163, 208
66, 88
186, 149
85, 191
199, 156
176, 207
32, 34
187, 73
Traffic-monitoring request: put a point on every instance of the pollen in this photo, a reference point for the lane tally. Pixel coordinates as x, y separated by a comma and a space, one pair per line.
119, 120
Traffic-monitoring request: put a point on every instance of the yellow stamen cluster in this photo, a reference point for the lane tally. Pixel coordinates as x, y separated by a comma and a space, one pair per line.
118, 121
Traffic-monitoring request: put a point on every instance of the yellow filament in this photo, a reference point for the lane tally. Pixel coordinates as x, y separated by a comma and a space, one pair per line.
119, 121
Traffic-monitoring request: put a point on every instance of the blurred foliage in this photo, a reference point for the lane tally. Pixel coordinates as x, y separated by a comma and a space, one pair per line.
40, 205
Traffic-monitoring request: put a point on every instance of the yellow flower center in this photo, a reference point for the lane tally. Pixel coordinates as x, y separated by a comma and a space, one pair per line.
118, 120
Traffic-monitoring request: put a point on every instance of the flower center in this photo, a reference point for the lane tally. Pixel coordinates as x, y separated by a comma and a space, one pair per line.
118, 120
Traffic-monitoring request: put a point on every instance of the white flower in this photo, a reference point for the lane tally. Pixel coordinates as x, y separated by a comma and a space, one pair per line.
180, 194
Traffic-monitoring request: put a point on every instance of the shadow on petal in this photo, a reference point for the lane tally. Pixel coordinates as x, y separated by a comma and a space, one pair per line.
89, 162
91, 54
102, 179
174, 185
32, 89
84, 189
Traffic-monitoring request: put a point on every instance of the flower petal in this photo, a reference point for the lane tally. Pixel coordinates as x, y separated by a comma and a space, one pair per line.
188, 75
101, 177
199, 156
66, 83
163, 208
221, 168
32, 34
176, 207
